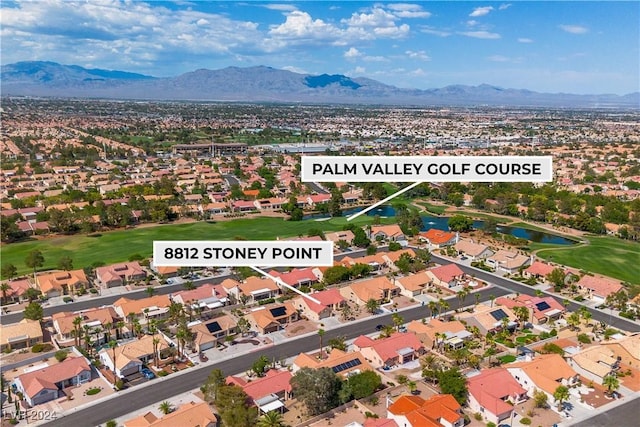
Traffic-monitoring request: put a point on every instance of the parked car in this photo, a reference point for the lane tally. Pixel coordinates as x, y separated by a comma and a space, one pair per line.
147, 373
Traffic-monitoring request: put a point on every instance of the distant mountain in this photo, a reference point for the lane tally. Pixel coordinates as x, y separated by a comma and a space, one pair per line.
266, 84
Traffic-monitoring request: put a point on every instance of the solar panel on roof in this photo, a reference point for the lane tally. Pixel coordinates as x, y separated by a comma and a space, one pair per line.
347, 365
278, 311
213, 327
543, 306
499, 314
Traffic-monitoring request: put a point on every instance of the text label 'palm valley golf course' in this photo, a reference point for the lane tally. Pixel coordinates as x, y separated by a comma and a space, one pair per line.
187, 253
427, 168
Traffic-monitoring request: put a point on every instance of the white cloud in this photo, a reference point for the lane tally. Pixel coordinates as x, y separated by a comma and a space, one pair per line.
280, 6
418, 72
481, 11
498, 58
481, 35
352, 53
472, 23
202, 21
435, 31
524, 40
504, 6
574, 29
421, 54
358, 71
300, 25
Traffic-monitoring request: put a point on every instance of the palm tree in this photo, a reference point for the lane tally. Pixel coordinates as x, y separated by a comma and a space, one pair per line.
271, 419
444, 306
573, 320
412, 386
430, 367
320, 335
491, 351
150, 291
477, 299
188, 285
611, 382
433, 307
522, 313
119, 327
5, 288
131, 316
345, 312
165, 407
387, 331
586, 315
77, 321
492, 298
112, 345
397, 320
560, 395
372, 305
107, 329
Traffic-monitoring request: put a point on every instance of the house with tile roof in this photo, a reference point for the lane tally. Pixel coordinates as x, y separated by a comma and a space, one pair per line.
627, 349
493, 394
23, 334
545, 372
472, 250
132, 355
145, 309
490, 319
274, 382
212, 332
437, 239
272, 318
17, 292
254, 288
204, 298
441, 410
435, 333
397, 349
377, 288
43, 384
446, 276
343, 363
187, 415
413, 284
598, 288
104, 319
508, 261
56, 283
391, 233
595, 363
538, 270
541, 309
117, 274
390, 258
330, 302
335, 237
296, 277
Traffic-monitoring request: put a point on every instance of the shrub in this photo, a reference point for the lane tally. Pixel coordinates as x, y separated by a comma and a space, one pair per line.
93, 290
67, 299
60, 355
554, 332
477, 416
162, 374
526, 421
584, 339
119, 385
112, 423
491, 424
266, 301
370, 415
94, 390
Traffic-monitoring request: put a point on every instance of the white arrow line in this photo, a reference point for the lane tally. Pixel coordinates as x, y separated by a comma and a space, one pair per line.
281, 283
375, 205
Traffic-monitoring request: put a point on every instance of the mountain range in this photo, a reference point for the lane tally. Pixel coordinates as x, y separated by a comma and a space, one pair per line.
266, 84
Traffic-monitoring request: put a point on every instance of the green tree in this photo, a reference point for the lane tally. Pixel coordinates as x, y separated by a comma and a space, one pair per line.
165, 407
5, 288
243, 326
234, 407
460, 223
454, 383
397, 320
34, 260
32, 294
317, 388
65, 263
150, 291
271, 419
372, 306
112, 345
556, 278
9, 271
540, 398
321, 333
210, 388
560, 395
360, 238
33, 311
611, 382
338, 343
364, 384
261, 365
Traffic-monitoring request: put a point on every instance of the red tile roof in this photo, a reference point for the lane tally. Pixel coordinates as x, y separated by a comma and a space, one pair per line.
446, 273
437, 237
273, 382
387, 348
491, 387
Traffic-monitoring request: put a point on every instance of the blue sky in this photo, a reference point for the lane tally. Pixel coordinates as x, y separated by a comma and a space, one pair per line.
546, 46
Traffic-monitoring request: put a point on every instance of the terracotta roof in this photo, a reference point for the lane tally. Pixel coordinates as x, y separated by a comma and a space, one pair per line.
395, 255
446, 273
35, 381
379, 422
389, 230
327, 298
539, 268
435, 326
437, 237
492, 387
201, 292
63, 321
273, 382
263, 317
188, 415
134, 350
253, 283
545, 371
23, 328
371, 288
599, 285
19, 287
405, 404
55, 280
470, 248
427, 413
137, 306
414, 282
335, 358
387, 348
295, 276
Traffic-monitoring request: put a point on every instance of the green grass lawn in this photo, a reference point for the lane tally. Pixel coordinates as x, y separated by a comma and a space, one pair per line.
435, 209
604, 255
117, 246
